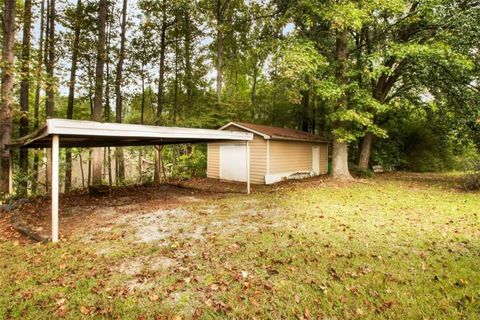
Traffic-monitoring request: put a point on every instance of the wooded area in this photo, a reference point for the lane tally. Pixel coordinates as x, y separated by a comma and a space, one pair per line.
390, 82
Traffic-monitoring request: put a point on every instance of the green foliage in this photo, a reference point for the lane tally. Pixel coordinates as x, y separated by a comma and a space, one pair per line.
360, 172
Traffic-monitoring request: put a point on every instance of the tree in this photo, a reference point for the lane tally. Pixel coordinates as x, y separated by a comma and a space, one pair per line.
340, 147
6, 90
50, 59
97, 106
25, 91
118, 92
71, 87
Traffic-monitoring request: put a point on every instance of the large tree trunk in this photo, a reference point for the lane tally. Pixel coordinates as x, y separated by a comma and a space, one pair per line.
6, 91
120, 159
36, 111
340, 148
71, 94
365, 151
24, 94
97, 104
340, 161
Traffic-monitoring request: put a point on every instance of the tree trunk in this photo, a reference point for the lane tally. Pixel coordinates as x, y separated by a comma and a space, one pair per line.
71, 94
219, 15
36, 111
340, 161
365, 151
161, 74
24, 94
340, 148
158, 164
175, 87
6, 91
304, 122
188, 57
254, 88
97, 104
50, 58
120, 159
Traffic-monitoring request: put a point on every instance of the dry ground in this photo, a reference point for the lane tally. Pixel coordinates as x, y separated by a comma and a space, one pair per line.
396, 246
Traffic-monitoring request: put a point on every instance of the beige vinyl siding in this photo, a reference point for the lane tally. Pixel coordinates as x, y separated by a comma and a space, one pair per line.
258, 159
290, 156
324, 158
293, 156
213, 160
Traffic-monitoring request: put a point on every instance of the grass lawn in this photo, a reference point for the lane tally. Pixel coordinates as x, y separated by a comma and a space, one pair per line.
400, 246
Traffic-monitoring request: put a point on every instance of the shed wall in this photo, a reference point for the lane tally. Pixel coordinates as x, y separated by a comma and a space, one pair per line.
213, 160
292, 156
258, 159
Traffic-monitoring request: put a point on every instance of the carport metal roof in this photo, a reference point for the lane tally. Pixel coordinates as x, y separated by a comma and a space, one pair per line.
75, 133
78, 133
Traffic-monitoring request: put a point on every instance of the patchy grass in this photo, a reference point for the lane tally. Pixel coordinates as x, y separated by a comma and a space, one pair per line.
398, 246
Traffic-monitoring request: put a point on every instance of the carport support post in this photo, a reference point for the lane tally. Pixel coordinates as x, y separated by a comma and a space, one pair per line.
55, 151
248, 167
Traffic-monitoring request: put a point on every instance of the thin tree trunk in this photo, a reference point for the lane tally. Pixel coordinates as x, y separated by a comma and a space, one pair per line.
6, 91
71, 94
24, 94
188, 58
219, 10
161, 74
50, 82
304, 122
175, 89
97, 107
142, 115
81, 168
36, 156
120, 158
254, 88
50, 66
161, 84
340, 148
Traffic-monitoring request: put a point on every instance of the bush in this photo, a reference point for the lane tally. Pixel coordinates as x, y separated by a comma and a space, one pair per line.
360, 172
472, 180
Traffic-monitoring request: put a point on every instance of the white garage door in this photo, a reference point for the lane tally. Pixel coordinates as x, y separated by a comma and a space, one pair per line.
233, 162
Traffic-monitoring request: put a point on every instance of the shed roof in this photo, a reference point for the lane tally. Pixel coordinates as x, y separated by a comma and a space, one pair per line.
277, 133
79, 133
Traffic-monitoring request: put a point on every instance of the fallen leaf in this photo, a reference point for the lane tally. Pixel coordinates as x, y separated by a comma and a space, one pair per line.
297, 298
153, 297
84, 310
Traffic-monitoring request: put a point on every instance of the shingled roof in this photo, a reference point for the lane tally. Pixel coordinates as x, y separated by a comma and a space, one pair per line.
277, 133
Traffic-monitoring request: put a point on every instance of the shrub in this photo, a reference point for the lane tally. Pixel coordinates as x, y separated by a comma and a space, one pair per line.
472, 180
361, 172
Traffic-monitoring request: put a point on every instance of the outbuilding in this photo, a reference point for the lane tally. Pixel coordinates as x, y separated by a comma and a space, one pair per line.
275, 154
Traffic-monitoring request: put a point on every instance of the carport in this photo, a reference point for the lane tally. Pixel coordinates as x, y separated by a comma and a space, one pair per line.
62, 133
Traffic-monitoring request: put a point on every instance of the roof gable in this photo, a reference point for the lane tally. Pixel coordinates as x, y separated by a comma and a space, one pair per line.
277, 133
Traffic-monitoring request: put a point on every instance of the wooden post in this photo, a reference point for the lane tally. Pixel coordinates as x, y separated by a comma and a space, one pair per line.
55, 168
10, 173
248, 167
